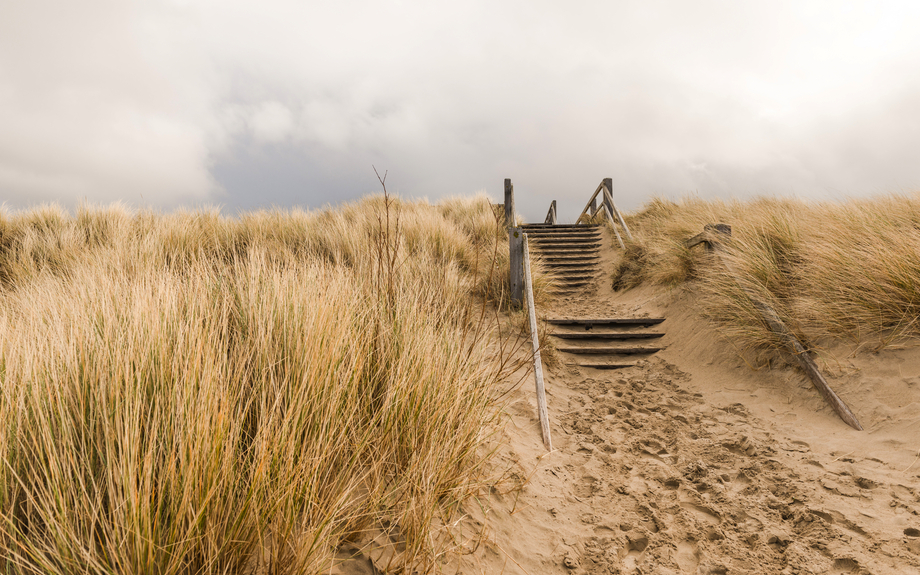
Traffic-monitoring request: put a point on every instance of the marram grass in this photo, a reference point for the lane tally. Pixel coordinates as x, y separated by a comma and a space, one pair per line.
189, 393
846, 270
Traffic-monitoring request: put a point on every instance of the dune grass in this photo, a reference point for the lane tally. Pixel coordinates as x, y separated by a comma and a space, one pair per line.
189, 393
845, 270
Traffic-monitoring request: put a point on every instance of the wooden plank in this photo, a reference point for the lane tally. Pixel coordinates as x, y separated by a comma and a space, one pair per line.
588, 205
551, 214
509, 203
537, 361
608, 196
608, 336
609, 350
543, 226
614, 226
607, 365
644, 321
789, 339
516, 280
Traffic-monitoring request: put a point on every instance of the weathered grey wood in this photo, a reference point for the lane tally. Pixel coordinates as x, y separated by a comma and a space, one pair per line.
776, 324
608, 336
537, 361
509, 203
516, 280
613, 226
608, 196
607, 365
551, 214
590, 202
609, 350
590, 322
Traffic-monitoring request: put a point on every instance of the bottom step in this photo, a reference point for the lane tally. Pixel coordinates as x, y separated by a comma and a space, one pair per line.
609, 350
607, 365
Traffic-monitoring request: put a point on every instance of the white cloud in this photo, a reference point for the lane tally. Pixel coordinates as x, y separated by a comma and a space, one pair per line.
106, 99
271, 122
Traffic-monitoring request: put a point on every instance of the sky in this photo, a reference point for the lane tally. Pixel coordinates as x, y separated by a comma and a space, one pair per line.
247, 105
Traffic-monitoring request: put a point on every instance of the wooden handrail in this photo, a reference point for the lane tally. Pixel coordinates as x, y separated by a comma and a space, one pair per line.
588, 205
537, 361
551, 214
613, 225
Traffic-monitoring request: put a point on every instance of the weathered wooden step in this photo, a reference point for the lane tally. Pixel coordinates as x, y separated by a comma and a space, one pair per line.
609, 350
560, 226
567, 249
588, 323
607, 365
542, 248
608, 336
563, 264
571, 258
538, 241
577, 234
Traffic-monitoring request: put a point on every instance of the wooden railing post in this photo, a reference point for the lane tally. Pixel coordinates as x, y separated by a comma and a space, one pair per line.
608, 198
537, 361
509, 203
608, 183
516, 281
551, 214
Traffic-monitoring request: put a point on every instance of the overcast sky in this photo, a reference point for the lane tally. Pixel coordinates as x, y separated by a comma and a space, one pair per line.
249, 104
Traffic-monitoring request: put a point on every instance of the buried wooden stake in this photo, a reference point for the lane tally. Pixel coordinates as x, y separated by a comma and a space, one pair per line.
792, 343
537, 362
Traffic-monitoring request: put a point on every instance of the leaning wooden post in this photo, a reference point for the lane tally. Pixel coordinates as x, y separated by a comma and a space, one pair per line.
773, 321
537, 361
608, 196
551, 214
516, 250
509, 203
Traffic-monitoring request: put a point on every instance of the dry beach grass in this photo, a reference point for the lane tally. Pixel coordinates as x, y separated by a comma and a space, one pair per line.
188, 393
846, 270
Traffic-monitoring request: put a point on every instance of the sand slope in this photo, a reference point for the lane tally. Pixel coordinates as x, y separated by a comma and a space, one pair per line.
692, 462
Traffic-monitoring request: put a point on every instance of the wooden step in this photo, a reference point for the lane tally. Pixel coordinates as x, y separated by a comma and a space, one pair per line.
589, 323
608, 336
576, 234
539, 241
568, 250
587, 258
560, 226
609, 350
569, 247
564, 264
607, 365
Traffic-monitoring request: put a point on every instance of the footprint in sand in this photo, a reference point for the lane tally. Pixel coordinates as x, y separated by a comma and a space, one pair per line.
687, 556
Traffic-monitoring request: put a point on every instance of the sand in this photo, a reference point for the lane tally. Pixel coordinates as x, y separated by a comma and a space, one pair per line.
693, 462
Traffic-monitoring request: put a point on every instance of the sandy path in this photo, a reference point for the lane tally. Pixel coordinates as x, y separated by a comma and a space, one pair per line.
691, 462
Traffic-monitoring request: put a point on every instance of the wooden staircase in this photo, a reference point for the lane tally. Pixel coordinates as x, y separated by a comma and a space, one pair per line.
571, 252
606, 341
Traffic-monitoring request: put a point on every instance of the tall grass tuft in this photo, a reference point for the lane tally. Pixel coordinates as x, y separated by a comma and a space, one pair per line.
189, 393
847, 270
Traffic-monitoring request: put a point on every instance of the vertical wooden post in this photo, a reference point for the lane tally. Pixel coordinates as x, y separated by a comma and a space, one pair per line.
516, 247
537, 361
509, 203
593, 207
608, 183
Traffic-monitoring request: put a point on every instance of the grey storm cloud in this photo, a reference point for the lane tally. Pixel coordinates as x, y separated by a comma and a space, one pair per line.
243, 104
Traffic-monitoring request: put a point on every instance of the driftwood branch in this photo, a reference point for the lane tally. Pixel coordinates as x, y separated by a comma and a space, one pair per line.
712, 236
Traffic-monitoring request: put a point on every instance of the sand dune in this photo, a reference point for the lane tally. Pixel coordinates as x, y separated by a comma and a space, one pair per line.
693, 462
